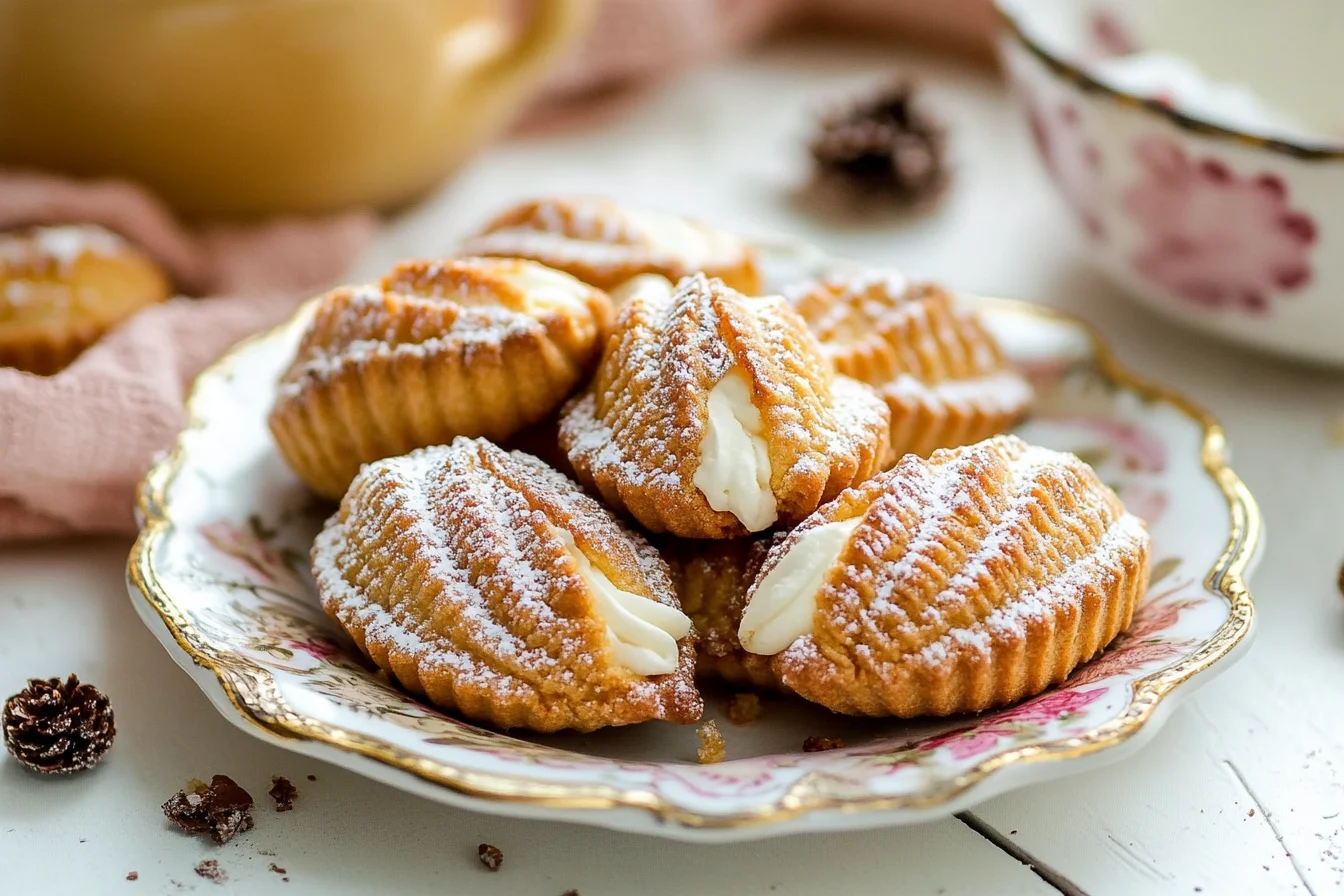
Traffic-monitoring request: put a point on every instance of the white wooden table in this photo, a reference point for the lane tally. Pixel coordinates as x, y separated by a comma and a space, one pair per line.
1241, 793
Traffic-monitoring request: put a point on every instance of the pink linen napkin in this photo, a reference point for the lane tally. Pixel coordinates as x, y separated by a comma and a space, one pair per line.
73, 446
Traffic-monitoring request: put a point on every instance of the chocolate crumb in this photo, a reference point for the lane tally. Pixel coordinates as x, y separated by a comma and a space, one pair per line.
744, 708
134, 875
711, 744
570, 893
277, 869
816, 744
491, 856
312, 777
1250, 814
221, 808
210, 870
283, 792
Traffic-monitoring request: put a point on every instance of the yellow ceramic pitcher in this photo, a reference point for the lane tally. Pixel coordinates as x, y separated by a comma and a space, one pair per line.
252, 107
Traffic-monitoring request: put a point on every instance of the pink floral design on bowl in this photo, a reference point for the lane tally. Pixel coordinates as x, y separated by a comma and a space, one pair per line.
1213, 237
1071, 157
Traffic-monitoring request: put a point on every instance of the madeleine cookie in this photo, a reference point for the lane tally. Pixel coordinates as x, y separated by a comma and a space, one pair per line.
438, 349
711, 579
940, 371
973, 579
490, 585
714, 415
62, 288
606, 244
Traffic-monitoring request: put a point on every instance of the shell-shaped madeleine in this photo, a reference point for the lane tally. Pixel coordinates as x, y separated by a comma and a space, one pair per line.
438, 349
939, 369
714, 415
491, 585
605, 243
973, 579
62, 288
711, 579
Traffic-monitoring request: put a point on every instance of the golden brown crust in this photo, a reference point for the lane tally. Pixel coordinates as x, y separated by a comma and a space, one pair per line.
940, 371
445, 568
977, 578
62, 288
711, 578
636, 434
438, 349
605, 244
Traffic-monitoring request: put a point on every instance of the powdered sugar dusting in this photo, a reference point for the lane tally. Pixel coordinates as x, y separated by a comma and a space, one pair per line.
601, 235
951, 564
500, 584
644, 421
1001, 392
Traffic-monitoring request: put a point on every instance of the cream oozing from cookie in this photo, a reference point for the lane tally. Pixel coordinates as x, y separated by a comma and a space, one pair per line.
649, 287
642, 632
734, 470
545, 288
694, 245
783, 605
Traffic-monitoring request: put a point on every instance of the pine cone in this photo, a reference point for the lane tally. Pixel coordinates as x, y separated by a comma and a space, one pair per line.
58, 728
883, 148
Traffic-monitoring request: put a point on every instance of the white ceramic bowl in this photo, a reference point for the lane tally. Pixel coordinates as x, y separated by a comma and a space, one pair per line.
1218, 228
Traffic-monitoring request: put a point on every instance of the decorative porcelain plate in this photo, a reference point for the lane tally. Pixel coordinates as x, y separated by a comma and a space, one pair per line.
220, 574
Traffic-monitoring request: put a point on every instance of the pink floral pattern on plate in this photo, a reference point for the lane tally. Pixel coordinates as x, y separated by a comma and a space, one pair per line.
1213, 237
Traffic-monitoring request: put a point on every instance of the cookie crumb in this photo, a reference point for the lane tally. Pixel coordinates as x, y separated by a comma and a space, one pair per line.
266, 852
711, 744
1250, 814
277, 869
283, 792
221, 808
210, 870
744, 708
134, 875
570, 893
817, 744
491, 856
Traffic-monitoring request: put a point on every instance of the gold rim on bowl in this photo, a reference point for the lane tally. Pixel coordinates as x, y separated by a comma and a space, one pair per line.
253, 694
1322, 151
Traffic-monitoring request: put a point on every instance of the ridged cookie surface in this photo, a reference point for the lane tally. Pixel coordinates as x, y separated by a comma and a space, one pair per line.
448, 569
973, 579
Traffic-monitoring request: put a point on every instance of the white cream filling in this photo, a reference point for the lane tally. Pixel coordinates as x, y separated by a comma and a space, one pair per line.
734, 470
642, 632
651, 287
546, 287
694, 245
784, 603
